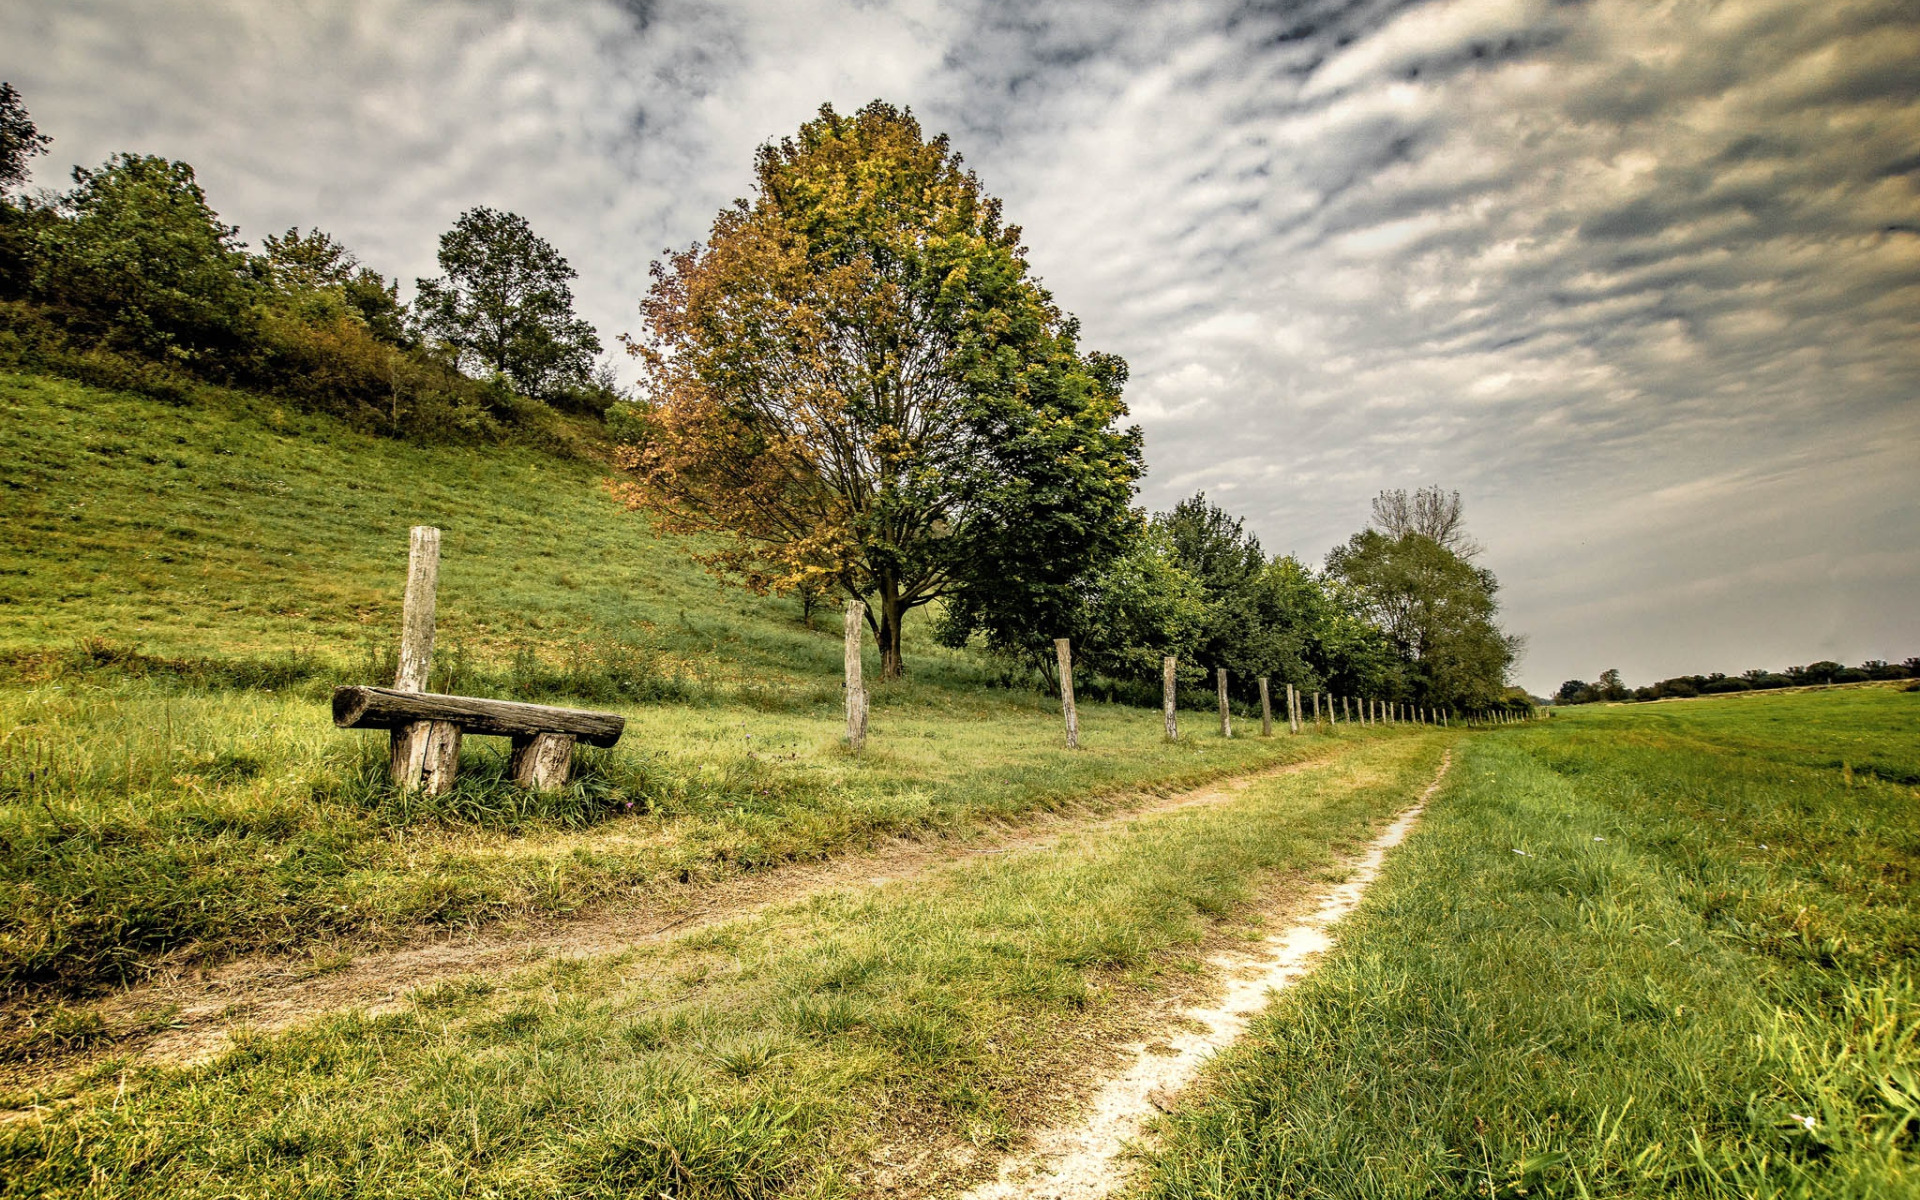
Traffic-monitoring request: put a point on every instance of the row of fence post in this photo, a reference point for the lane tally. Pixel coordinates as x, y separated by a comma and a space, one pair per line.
1369, 712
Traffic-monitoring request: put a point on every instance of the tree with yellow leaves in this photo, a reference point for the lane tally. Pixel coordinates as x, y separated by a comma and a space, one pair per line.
858, 382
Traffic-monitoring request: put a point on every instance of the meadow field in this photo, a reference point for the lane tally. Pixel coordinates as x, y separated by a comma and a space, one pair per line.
1636, 950
1661, 949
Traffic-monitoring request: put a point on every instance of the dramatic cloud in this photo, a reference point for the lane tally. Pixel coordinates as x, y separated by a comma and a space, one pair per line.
1642, 281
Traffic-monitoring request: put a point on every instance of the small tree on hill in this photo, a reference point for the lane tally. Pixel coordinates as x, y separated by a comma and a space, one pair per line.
504, 305
20, 139
308, 261
140, 249
858, 381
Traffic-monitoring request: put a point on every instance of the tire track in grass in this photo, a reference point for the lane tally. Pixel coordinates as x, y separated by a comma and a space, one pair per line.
1084, 1159
269, 994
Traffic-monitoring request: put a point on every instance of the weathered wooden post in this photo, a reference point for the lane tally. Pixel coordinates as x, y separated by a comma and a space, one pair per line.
1064, 652
1266, 710
1169, 684
1316, 710
424, 754
1226, 722
1293, 710
856, 689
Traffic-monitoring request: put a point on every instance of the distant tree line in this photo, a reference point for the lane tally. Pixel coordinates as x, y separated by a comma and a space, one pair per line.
1611, 688
129, 278
1398, 612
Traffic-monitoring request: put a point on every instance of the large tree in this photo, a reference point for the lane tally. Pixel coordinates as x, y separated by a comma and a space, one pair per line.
1437, 608
1429, 512
1214, 547
858, 381
504, 305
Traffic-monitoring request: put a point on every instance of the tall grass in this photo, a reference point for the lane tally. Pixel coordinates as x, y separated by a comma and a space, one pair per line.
140, 818
1646, 952
794, 1053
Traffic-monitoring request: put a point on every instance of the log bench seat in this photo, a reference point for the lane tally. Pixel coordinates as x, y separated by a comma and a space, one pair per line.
427, 728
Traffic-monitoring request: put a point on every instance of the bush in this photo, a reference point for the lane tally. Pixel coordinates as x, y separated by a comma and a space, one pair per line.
335, 364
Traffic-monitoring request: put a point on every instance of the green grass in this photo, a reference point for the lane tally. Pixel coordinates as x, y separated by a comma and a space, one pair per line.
138, 820
180, 586
1631, 952
788, 1054
245, 529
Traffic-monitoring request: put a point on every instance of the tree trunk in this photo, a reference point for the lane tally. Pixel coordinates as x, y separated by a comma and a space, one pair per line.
892, 615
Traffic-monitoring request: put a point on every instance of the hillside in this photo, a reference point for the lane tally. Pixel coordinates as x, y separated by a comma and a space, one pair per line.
244, 529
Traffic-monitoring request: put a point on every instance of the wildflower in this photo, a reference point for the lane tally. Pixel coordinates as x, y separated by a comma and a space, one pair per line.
1522, 853
1807, 1121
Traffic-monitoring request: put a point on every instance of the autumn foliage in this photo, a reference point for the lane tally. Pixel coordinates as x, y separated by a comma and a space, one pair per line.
859, 383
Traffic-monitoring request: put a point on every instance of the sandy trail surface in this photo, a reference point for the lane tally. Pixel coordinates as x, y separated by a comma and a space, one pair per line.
1084, 1158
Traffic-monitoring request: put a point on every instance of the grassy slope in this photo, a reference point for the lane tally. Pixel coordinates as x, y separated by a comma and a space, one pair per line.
787, 1054
1648, 1014
243, 528
142, 815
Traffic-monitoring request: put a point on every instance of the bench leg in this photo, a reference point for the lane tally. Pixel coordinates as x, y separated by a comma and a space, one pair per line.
442, 761
542, 760
408, 754
426, 755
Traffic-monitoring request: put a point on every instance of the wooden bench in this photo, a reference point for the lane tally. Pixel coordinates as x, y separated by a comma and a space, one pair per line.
427, 728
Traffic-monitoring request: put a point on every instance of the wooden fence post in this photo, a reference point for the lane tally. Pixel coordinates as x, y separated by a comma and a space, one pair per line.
1064, 652
425, 754
1295, 710
1169, 684
1316, 710
1226, 722
856, 688
1266, 710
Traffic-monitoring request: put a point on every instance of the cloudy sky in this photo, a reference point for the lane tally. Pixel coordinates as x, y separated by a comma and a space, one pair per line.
1640, 279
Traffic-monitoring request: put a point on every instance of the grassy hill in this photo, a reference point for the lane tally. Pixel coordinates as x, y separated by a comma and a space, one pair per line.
180, 587
240, 528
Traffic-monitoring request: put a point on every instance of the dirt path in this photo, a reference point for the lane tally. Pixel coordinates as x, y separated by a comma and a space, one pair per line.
264, 994
1082, 1160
